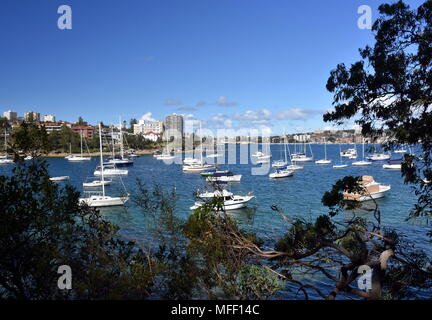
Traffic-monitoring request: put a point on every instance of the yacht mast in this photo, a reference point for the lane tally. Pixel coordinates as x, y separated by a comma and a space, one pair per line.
121, 139
81, 142
101, 160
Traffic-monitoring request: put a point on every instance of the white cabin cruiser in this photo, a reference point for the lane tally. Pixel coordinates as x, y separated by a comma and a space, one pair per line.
230, 201
371, 190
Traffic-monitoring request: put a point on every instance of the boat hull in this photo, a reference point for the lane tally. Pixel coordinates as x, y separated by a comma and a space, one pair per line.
103, 201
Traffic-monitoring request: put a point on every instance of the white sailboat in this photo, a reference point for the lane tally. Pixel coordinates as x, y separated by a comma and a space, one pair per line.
302, 156
197, 166
80, 157
282, 171
341, 164
122, 160
96, 183
293, 165
325, 160
362, 162
100, 199
5, 159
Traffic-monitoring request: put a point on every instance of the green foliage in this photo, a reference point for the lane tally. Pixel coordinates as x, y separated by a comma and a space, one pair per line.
390, 90
43, 227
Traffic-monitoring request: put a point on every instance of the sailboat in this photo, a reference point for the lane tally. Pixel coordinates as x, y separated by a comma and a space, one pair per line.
362, 162
5, 159
393, 164
341, 164
324, 161
165, 155
264, 157
122, 160
293, 165
282, 171
281, 163
100, 199
80, 157
302, 156
197, 166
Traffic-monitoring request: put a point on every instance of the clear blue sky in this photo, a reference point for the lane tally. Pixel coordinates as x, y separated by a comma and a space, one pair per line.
234, 63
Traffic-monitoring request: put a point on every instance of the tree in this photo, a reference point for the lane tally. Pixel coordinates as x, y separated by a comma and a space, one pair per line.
389, 91
44, 227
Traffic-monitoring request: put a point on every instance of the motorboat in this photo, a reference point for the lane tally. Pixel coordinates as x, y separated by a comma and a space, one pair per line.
395, 164
165, 156
370, 190
230, 201
227, 176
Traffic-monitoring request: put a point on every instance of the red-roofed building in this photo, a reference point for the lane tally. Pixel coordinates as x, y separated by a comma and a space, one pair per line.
87, 131
152, 136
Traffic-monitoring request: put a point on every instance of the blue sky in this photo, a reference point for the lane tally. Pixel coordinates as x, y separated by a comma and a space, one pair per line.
232, 63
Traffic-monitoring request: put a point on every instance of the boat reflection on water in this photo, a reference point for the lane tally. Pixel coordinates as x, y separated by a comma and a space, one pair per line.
244, 216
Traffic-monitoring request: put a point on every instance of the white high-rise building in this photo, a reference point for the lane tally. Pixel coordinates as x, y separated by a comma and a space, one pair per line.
10, 115
49, 118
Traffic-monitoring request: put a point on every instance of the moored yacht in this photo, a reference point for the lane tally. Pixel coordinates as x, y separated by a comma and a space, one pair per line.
393, 164
370, 190
230, 201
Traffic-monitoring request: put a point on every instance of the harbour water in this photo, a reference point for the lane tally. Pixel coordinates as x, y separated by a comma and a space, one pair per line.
299, 195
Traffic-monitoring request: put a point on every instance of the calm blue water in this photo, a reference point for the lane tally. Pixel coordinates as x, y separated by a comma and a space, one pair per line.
299, 195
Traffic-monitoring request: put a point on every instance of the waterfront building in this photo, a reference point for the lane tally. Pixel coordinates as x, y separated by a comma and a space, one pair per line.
174, 126
49, 118
32, 116
143, 127
152, 136
10, 115
87, 131
55, 126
